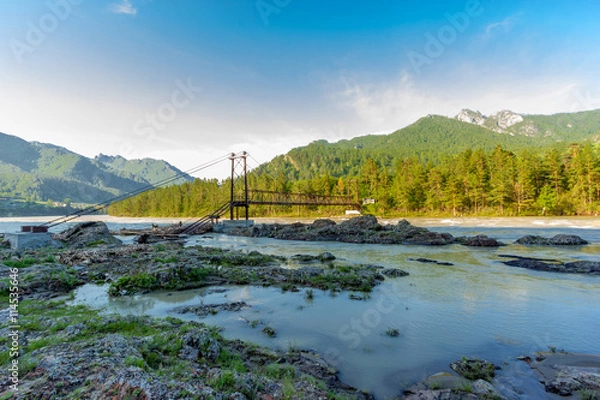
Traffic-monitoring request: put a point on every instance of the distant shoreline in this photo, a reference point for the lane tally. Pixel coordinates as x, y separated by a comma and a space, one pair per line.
578, 222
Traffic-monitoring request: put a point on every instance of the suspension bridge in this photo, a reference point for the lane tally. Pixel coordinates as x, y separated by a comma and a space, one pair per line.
241, 198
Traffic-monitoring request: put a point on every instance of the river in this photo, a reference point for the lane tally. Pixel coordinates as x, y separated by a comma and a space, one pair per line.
478, 307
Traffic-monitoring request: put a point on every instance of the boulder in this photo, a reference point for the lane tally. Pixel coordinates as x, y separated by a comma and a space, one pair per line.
567, 240
557, 240
480, 241
87, 234
431, 239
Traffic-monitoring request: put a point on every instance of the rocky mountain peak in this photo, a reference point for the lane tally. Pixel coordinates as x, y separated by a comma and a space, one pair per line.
506, 118
498, 122
471, 117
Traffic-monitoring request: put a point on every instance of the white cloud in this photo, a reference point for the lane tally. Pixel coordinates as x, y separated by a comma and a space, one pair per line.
390, 105
125, 7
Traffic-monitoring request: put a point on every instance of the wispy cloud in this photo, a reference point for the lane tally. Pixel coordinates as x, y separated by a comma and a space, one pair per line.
124, 7
504, 25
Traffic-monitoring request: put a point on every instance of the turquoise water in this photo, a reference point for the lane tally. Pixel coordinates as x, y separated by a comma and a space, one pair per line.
478, 307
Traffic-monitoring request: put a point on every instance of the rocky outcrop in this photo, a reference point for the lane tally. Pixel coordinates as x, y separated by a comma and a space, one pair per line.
568, 374
363, 229
473, 383
87, 234
557, 240
540, 264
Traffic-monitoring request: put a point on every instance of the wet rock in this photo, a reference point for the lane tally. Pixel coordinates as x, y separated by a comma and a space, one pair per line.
567, 240
206, 309
87, 234
429, 261
431, 239
557, 240
480, 241
326, 256
565, 374
541, 264
394, 272
267, 330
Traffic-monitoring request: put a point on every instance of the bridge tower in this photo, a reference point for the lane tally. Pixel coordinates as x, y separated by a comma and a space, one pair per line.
239, 169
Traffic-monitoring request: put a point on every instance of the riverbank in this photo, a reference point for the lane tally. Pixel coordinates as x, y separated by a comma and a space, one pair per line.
170, 266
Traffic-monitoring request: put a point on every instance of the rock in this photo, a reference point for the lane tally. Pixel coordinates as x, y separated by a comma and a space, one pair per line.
360, 224
326, 256
480, 241
583, 267
322, 223
267, 330
199, 339
429, 261
557, 240
565, 374
394, 272
567, 240
533, 240
87, 234
206, 309
431, 239
541, 264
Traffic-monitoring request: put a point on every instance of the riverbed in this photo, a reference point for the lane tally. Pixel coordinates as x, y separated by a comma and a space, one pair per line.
477, 307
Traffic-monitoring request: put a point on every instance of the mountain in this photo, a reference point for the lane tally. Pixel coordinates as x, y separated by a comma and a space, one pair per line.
41, 171
434, 137
567, 127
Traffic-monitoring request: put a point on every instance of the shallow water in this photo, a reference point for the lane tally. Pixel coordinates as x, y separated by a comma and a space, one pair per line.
478, 307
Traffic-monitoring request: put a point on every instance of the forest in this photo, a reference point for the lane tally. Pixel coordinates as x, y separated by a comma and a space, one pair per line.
473, 182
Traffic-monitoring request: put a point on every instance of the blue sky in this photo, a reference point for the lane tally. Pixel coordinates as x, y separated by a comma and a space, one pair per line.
188, 81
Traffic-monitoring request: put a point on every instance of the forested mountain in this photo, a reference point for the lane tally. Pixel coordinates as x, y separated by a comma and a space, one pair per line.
437, 166
430, 139
42, 172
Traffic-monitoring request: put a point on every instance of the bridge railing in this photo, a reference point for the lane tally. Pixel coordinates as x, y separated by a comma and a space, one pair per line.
286, 198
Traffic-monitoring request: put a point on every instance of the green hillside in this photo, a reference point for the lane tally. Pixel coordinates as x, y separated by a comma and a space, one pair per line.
565, 127
429, 139
42, 172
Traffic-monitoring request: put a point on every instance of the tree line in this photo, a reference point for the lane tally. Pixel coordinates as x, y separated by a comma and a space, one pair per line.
473, 182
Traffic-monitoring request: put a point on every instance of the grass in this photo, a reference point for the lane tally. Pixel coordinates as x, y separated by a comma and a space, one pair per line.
135, 362
465, 386
132, 284
226, 380
24, 263
278, 371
